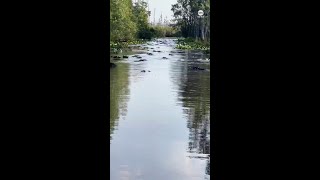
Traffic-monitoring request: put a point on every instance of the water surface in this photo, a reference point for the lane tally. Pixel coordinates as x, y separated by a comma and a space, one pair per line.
159, 123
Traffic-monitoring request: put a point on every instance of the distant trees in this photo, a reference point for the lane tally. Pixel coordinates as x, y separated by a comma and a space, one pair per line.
129, 21
186, 18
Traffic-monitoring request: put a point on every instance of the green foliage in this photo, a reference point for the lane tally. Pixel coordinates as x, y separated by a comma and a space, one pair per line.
140, 16
119, 46
129, 21
146, 33
165, 31
122, 26
125, 44
191, 43
187, 20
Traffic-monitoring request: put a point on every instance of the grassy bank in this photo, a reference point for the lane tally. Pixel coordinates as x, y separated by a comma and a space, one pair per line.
193, 44
121, 44
143, 36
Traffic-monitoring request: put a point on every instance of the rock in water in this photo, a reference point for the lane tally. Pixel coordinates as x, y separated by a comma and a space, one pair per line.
140, 60
112, 65
125, 56
198, 68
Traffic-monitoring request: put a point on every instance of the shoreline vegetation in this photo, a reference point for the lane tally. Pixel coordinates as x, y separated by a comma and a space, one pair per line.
129, 25
182, 43
193, 44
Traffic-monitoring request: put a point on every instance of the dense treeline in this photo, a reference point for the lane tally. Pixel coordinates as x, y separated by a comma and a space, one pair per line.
129, 21
186, 18
122, 25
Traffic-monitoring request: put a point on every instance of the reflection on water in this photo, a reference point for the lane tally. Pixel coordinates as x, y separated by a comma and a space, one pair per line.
164, 128
194, 96
119, 94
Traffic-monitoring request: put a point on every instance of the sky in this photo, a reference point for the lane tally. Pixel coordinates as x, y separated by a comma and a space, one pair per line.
163, 6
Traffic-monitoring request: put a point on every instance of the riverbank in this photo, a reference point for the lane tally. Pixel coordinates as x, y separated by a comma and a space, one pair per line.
193, 44
125, 44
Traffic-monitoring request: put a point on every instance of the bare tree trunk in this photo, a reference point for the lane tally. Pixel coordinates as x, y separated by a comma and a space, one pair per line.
202, 29
190, 27
195, 29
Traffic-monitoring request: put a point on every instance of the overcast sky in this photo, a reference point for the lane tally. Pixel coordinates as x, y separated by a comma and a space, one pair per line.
163, 6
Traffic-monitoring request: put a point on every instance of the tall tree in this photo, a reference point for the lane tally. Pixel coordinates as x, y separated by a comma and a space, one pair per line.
187, 19
122, 25
141, 16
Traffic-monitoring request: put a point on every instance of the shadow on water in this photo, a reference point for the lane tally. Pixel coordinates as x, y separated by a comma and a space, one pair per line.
119, 94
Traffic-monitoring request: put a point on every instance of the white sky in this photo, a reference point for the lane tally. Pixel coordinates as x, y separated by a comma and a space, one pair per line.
163, 6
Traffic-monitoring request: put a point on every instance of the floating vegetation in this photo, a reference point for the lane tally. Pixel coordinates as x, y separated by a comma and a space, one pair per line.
120, 46
191, 44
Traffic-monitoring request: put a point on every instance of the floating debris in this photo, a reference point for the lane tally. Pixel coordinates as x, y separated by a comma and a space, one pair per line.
141, 60
204, 156
197, 68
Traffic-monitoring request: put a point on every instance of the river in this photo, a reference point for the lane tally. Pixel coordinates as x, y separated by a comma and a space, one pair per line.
160, 118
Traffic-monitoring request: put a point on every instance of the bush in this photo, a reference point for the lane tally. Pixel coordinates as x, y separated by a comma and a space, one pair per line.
146, 34
164, 31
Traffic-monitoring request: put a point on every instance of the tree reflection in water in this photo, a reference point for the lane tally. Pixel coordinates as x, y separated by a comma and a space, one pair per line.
194, 94
119, 94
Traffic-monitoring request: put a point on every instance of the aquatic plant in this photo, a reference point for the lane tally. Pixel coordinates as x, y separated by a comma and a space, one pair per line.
191, 44
120, 46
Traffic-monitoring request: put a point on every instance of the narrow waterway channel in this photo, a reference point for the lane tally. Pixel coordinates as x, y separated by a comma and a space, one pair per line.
160, 114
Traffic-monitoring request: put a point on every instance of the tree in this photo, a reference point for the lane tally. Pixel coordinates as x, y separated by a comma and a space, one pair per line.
186, 17
122, 26
141, 16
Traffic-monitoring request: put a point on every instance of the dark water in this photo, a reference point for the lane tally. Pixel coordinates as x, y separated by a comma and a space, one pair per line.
160, 120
